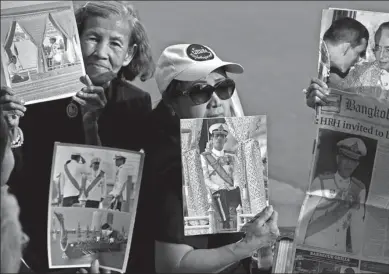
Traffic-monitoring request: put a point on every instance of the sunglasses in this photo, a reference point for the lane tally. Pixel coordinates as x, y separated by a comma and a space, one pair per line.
200, 93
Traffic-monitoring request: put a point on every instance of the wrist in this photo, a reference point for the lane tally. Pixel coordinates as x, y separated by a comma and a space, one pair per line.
242, 250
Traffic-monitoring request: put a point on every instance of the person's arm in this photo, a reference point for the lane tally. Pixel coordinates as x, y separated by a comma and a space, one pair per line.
208, 181
182, 258
122, 179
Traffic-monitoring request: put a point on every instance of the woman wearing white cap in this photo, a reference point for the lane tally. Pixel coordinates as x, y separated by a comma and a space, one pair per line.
189, 78
115, 50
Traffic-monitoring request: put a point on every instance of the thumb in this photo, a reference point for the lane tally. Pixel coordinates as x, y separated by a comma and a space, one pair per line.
265, 215
95, 265
86, 80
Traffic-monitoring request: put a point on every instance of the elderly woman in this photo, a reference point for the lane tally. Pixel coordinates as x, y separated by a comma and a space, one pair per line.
194, 83
115, 50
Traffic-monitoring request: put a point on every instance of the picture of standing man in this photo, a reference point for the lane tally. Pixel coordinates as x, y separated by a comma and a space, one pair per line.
96, 185
119, 191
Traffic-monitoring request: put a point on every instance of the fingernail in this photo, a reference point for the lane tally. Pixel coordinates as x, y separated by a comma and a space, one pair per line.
96, 263
23, 102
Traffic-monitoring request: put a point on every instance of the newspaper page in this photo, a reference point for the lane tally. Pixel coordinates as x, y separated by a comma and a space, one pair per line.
225, 172
344, 221
41, 58
92, 206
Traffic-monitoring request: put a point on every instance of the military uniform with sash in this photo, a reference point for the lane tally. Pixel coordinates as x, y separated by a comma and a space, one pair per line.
96, 186
119, 190
340, 200
218, 168
71, 180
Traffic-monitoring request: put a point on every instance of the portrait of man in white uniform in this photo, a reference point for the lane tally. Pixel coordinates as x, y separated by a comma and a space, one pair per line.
338, 215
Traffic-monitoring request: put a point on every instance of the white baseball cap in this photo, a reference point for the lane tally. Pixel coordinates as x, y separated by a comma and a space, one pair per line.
189, 62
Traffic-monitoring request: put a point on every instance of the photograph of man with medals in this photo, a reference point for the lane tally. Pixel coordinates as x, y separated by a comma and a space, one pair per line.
218, 167
224, 172
335, 211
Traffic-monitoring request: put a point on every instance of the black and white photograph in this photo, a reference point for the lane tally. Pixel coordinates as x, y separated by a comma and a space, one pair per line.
225, 172
91, 177
41, 57
77, 236
354, 51
87, 182
334, 212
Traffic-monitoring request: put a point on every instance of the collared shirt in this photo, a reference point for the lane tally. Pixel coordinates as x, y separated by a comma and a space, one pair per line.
99, 190
332, 186
211, 177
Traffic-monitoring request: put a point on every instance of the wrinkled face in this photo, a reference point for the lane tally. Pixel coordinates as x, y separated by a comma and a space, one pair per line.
343, 56
215, 107
218, 140
7, 165
381, 50
105, 47
346, 166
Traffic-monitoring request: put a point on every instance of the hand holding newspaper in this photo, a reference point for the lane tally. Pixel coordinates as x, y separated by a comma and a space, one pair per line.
344, 221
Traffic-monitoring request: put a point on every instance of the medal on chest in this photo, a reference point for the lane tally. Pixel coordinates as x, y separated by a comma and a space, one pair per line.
72, 110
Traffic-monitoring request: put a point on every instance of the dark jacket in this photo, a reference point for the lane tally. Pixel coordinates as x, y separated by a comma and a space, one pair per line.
120, 125
160, 204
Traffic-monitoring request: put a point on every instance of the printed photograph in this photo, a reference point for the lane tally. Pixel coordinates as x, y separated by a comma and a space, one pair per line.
93, 199
77, 236
334, 213
40, 55
225, 172
354, 51
95, 177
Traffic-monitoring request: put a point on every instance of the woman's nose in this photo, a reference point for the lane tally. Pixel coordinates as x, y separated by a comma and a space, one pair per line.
214, 102
101, 50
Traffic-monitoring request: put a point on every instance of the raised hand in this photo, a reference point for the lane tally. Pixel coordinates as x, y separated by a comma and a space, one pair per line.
91, 98
263, 230
11, 104
316, 93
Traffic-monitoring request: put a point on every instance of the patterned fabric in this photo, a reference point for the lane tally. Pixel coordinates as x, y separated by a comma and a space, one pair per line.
194, 187
249, 173
324, 62
366, 79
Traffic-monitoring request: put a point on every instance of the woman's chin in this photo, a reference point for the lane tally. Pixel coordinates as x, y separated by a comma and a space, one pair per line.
102, 78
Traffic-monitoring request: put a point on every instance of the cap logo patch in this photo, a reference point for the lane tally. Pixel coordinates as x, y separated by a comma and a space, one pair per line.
199, 53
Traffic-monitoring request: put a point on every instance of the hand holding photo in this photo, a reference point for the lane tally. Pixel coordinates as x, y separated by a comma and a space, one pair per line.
225, 173
93, 200
41, 57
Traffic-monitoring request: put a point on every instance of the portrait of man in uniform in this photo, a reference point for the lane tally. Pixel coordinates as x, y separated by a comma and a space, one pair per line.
338, 197
218, 168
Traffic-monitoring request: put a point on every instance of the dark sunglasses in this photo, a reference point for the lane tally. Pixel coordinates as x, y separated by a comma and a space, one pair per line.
200, 93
